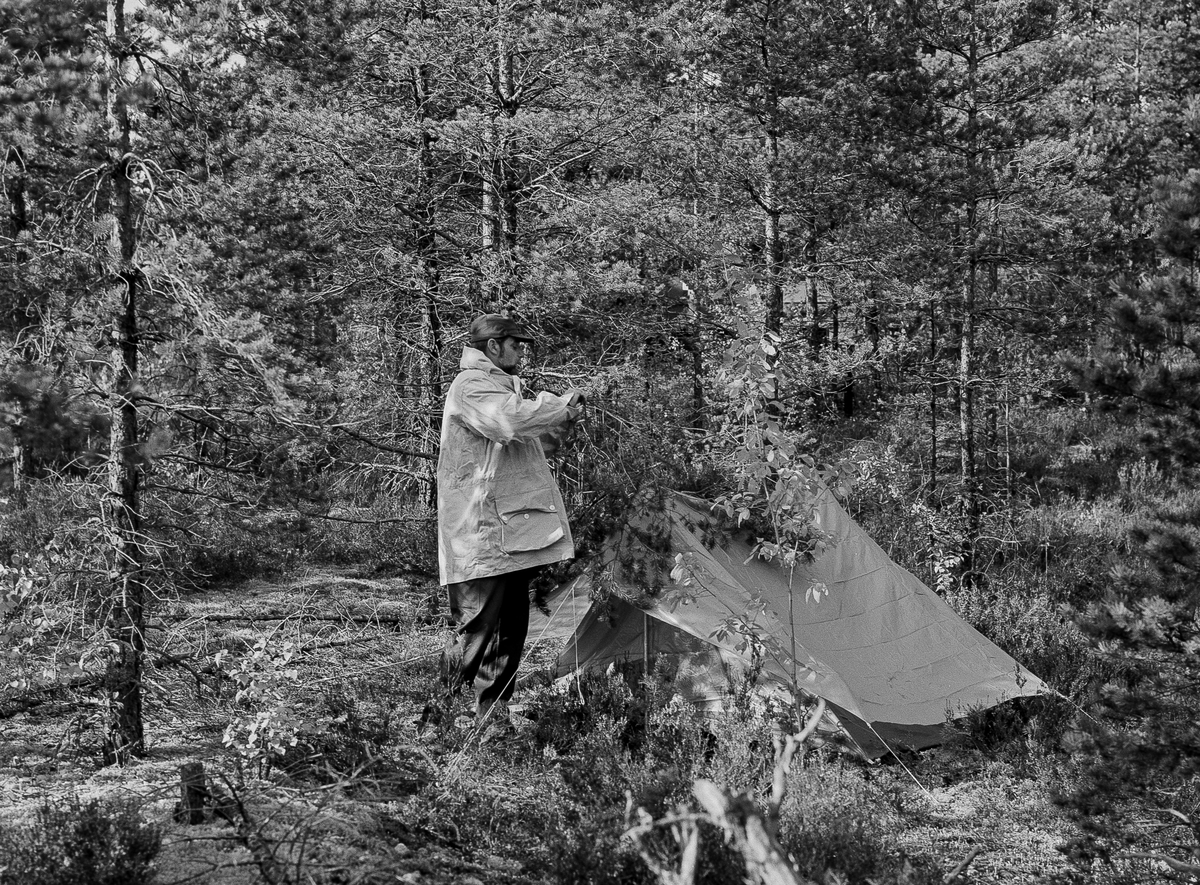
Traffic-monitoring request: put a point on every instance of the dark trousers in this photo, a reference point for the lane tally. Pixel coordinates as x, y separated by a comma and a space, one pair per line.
491, 617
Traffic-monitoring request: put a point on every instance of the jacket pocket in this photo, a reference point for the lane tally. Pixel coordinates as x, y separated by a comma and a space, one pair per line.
529, 520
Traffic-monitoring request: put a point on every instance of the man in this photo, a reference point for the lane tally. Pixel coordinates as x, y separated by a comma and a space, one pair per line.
500, 514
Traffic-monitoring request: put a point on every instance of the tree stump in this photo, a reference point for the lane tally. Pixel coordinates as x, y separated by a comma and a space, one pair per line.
194, 797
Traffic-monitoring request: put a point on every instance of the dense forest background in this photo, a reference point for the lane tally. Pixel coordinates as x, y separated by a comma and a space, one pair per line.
943, 251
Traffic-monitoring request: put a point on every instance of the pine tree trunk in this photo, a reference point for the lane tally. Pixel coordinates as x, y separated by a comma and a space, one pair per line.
499, 198
816, 332
506, 178
490, 240
969, 480
699, 419
124, 736
966, 430
509, 196
933, 402
489, 210
773, 242
431, 332
772, 239
24, 315
431, 408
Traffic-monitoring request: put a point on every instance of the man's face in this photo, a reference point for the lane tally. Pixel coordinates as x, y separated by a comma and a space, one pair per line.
508, 354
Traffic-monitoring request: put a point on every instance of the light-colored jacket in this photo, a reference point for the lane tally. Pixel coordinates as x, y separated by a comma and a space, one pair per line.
499, 508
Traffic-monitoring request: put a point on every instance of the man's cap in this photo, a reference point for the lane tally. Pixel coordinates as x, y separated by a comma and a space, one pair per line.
493, 325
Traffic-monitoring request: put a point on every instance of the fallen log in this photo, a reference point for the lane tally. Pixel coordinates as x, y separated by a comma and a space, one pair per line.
35, 697
368, 620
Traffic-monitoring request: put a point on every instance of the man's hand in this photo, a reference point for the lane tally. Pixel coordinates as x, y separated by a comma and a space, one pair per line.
556, 439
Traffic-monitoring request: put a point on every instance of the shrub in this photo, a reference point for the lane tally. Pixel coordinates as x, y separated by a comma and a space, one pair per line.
1021, 730
53, 588
653, 748
594, 854
835, 829
741, 754
654, 725
597, 855
348, 739
593, 851
39, 518
1043, 638
676, 734
383, 538
1034, 632
78, 843
265, 721
563, 718
228, 547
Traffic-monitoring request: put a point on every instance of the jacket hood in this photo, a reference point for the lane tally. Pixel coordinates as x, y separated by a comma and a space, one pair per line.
477, 359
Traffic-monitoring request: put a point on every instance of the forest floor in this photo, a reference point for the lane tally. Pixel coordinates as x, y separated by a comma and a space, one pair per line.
350, 661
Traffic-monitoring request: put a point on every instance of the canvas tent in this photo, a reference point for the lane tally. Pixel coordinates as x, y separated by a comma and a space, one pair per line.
893, 661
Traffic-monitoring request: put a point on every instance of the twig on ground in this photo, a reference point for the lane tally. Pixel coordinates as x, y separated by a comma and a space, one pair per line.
958, 874
1178, 866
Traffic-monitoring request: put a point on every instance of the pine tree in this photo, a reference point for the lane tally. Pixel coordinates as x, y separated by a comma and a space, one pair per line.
47, 63
991, 184
124, 305
1147, 748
